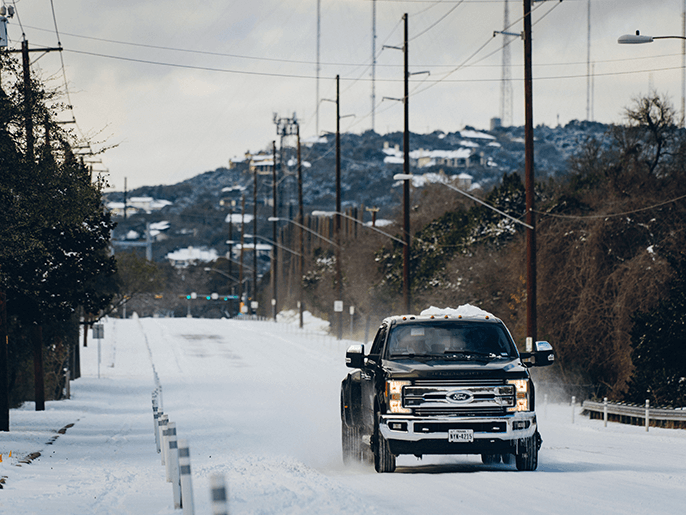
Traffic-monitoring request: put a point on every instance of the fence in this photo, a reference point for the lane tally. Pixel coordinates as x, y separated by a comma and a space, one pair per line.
635, 415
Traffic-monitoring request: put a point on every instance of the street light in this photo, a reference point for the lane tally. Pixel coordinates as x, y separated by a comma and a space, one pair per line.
638, 38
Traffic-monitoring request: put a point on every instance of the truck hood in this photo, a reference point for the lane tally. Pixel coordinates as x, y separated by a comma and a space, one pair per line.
439, 369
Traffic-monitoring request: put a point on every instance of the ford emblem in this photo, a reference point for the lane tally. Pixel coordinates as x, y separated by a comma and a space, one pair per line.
460, 397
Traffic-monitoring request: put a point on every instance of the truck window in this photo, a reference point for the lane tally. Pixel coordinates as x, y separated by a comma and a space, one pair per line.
443, 337
378, 341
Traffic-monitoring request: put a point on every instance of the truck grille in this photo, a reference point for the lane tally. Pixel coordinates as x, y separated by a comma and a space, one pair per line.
490, 397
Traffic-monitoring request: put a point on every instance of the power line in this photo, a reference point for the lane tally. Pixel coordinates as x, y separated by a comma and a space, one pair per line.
612, 215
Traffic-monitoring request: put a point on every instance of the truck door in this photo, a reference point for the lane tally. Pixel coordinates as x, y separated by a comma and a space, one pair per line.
371, 374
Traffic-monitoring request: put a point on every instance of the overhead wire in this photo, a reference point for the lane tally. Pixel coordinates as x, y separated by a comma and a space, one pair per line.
612, 215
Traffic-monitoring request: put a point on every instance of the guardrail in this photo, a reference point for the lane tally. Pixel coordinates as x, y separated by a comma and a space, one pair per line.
635, 415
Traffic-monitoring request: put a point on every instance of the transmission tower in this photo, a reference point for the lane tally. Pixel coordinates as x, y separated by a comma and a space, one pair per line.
589, 110
319, 37
373, 60
506, 80
285, 127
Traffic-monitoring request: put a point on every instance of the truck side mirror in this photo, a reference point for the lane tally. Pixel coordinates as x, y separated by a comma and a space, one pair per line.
354, 356
542, 356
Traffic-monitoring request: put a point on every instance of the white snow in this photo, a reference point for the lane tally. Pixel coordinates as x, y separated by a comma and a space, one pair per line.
465, 310
259, 403
475, 135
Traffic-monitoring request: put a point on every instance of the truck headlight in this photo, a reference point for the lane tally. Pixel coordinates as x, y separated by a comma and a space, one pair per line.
522, 394
394, 396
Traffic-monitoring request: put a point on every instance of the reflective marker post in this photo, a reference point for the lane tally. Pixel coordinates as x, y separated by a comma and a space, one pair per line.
98, 334
604, 411
155, 421
173, 460
218, 495
162, 422
185, 477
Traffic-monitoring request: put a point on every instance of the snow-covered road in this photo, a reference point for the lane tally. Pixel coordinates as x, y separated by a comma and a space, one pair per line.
258, 403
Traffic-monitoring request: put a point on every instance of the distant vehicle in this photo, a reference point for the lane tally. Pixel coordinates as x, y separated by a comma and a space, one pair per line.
443, 383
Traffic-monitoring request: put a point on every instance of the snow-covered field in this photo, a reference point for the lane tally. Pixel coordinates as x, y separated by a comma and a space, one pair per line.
259, 403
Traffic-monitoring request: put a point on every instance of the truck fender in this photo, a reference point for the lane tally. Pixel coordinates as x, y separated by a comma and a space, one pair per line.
350, 399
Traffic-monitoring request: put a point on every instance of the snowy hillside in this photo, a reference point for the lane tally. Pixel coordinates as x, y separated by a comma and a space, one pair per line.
258, 402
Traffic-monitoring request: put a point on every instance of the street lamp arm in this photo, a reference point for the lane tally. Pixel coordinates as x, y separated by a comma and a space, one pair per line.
279, 245
273, 219
314, 213
488, 206
638, 38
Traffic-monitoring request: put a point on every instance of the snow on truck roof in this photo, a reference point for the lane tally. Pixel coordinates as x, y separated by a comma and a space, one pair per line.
464, 311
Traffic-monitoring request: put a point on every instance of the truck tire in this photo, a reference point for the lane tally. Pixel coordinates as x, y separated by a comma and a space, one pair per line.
526, 457
352, 444
384, 460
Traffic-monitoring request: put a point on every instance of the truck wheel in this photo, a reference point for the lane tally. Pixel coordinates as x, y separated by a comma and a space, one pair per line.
526, 457
384, 460
490, 459
351, 443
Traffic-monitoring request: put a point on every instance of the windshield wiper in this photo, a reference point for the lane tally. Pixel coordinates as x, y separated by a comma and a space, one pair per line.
412, 355
469, 355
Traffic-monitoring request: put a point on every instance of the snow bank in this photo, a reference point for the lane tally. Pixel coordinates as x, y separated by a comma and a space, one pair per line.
466, 310
310, 322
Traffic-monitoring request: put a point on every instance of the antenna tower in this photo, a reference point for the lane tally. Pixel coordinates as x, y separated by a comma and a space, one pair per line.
589, 110
506, 81
319, 33
373, 60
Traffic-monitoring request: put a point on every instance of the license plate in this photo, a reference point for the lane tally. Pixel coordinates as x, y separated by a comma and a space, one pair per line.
460, 435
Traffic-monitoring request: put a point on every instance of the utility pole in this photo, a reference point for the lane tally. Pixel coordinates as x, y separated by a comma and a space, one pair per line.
406, 182
4, 367
275, 250
506, 81
529, 184
337, 218
27, 101
405, 176
240, 270
301, 221
683, 66
254, 238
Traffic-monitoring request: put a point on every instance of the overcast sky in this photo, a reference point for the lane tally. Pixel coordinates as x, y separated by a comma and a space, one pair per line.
182, 87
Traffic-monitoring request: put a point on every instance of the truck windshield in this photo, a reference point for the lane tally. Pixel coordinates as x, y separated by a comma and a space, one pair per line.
450, 339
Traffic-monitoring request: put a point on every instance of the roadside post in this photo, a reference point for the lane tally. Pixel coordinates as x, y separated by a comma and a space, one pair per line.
98, 334
647, 415
163, 420
185, 477
605, 411
352, 315
155, 421
573, 407
218, 495
173, 459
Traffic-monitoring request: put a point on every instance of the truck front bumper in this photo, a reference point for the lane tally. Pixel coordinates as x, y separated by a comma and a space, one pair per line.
430, 435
